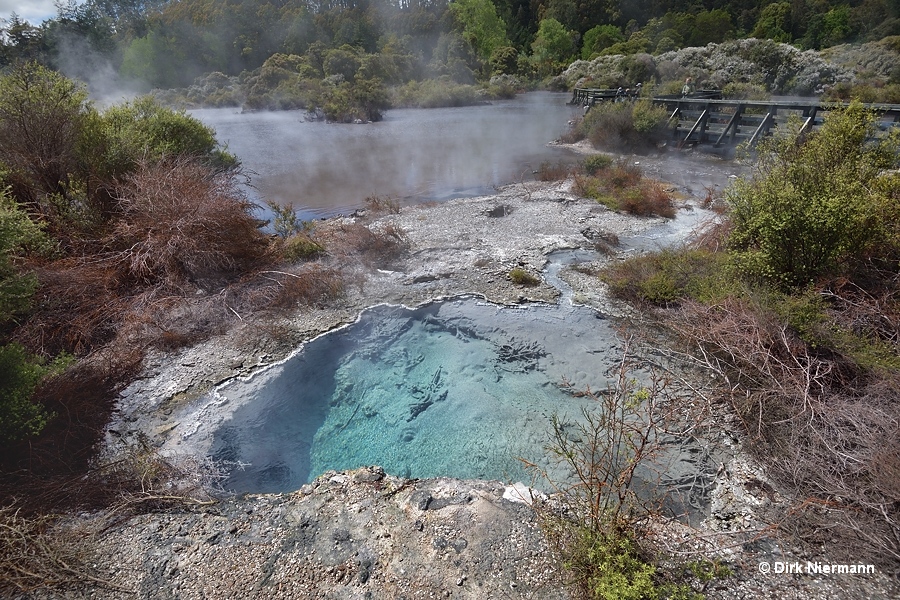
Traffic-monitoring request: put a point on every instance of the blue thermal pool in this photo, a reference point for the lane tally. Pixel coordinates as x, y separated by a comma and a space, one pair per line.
460, 388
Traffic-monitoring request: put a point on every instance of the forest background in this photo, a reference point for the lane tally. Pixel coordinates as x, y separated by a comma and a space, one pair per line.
354, 58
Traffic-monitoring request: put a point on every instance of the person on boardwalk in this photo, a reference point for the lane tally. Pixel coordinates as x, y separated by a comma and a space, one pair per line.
688, 87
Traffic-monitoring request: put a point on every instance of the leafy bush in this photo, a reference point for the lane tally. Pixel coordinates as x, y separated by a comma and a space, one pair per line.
143, 130
362, 99
300, 247
42, 130
624, 126
17, 233
520, 276
667, 277
285, 222
649, 118
596, 162
20, 374
745, 91
819, 206
864, 92
434, 93
610, 566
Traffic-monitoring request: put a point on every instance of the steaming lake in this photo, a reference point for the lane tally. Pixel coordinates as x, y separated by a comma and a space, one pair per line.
414, 154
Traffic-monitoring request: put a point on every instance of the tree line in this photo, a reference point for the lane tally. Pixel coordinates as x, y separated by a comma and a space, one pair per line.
169, 43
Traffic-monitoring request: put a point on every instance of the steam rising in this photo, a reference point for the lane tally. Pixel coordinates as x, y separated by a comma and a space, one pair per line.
413, 154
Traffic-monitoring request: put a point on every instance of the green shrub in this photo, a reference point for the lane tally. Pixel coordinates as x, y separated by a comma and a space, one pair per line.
820, 206
434, 93
745, 91
610, 566
522, 277
864, 92
649, 118
617, 126
666, 277
20, 375
300, 247
144, 130
17, 234
596, 162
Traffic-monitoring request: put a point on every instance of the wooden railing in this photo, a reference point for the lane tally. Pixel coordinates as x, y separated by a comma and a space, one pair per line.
703, 118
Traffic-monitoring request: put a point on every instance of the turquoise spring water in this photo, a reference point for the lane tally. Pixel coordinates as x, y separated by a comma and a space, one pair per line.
460, 388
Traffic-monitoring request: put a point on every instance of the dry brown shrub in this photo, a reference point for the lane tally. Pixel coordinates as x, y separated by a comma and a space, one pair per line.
382, 205
872, 312
825, 428
78, 307
711, 235
553, 172
315, 285
182, 226
39, 554
182, 221
647, 199
375, 246
621, 175
39, 550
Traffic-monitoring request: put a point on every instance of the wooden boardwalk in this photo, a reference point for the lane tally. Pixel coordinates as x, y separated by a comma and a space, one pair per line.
703, 118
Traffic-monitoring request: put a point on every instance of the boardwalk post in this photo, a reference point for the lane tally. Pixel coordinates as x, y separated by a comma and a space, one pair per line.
701, 123
731, 126
764, 127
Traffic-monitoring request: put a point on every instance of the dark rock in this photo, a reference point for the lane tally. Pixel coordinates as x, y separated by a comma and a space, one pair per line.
420, 499
499, 211
459, 544
341, 535
369, 475
425, 278
365, 570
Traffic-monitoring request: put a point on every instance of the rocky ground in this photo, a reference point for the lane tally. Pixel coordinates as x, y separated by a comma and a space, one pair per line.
367, 534
346, 536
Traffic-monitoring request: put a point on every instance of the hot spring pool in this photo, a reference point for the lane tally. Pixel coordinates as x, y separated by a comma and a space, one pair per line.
459, 388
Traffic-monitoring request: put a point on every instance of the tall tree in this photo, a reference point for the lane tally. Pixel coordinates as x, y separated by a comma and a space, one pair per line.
481, 26
41, 119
